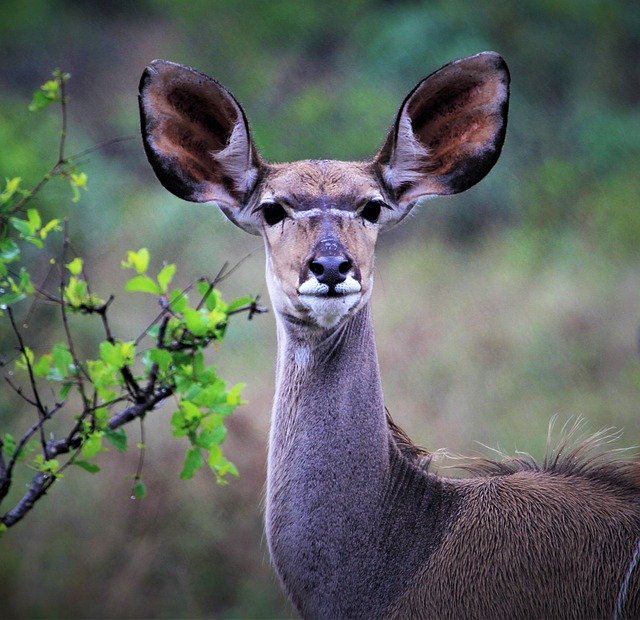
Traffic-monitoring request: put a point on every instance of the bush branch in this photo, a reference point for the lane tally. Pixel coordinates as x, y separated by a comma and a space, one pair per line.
41, 482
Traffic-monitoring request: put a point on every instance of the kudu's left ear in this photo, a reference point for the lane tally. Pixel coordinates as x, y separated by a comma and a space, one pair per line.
197, 139
449, 131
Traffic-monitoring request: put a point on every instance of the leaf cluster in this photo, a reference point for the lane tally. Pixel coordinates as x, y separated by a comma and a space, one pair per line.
125, 379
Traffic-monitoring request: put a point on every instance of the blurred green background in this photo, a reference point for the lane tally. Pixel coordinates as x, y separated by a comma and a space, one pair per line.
494, 310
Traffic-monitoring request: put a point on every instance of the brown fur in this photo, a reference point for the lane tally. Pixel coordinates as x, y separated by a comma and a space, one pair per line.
339, 184
509, 518
506, 504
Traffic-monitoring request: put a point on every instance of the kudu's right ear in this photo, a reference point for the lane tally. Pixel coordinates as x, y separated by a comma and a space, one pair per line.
449, 131
197, 139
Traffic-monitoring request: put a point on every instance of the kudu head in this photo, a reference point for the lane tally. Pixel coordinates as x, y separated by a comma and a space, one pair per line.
320, 219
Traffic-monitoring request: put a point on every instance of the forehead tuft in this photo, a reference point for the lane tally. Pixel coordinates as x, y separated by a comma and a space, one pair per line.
312, 183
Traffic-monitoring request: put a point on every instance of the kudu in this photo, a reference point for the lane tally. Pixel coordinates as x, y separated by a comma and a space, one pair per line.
357, 525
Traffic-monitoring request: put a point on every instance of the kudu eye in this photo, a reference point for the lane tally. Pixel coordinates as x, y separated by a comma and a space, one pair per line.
273, 212
371, 211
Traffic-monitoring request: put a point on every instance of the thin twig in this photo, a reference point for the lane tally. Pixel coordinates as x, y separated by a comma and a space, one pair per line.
41, 482
32, 306
5, 482
143, 448
65, 322
36, 190
20, 393
100, 145
221, 277
42, 411
63, 107
253, 308
166, 309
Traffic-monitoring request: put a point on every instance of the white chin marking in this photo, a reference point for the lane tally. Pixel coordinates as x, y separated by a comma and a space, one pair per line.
327, 311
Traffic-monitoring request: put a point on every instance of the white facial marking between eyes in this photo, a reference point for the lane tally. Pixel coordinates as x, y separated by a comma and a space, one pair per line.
299, 215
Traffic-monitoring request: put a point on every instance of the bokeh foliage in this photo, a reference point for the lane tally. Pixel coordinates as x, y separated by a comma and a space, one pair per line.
503, 306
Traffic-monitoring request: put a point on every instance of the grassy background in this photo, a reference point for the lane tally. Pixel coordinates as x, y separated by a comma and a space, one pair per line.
494, 310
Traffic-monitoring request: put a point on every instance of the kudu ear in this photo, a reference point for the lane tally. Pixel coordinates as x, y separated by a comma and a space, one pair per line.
197, 139
449, 131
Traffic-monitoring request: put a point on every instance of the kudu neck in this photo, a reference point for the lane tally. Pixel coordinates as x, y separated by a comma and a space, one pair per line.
330, 379
328, 463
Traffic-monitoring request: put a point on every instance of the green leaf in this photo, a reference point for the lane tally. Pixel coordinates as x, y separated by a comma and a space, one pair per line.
161, 357
241, 302
75, 266
234, 397
192, 463
52, 225
9, 250
214, 437
25, 360
165, 276
39, 101
78, 181
22, 226
139, 489
220, 465
197, 322
128, 351
9, 445
143, 284
34, 219
62, 359
211, 395
225, 467
178, 301
76, 292
117, 354
101, 417
111, 354
12, 186
190, 411
137, 260
179, 424
43, 366
10, 298
213, 299
51, 88
24, 284
49, 467
104, 376
216, 318
92, 468
49, 93
92, 445
118, 438
186, 419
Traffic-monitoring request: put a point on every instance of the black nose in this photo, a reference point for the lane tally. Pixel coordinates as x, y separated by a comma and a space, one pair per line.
330, 270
